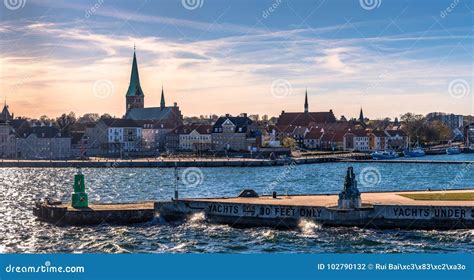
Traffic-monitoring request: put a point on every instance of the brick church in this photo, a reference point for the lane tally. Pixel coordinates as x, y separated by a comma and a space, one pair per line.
135, 104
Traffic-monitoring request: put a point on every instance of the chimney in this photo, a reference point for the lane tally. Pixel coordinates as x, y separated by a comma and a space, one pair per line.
227, 115
175, 104
282, 112
244, 115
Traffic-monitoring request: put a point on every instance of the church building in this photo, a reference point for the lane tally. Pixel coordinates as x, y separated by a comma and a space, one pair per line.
169, 116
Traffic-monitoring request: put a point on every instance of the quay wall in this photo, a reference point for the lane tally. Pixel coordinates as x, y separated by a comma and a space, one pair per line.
202, 163
286, 216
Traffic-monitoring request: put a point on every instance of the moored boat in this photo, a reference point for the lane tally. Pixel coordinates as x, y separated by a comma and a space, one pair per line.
416, 152
453, 150
384, 154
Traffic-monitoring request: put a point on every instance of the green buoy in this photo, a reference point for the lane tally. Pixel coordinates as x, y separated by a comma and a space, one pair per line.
79, 196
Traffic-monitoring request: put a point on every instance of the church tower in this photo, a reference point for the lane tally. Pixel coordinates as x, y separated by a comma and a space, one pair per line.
135, 97
306, 101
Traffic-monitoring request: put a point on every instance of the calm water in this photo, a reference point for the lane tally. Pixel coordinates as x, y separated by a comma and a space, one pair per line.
20, 232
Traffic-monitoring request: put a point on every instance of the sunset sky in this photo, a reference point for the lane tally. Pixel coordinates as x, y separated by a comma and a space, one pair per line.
258, 57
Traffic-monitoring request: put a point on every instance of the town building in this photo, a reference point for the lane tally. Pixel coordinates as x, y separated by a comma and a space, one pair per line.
453, 121
235, 134
303, 119
356, 140
396, 140
5, 115
190, 138
7, 141
377, 140
312, 139
118, 137
43, 141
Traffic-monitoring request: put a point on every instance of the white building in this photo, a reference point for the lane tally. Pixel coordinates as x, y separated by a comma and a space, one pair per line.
119, 137
356, 140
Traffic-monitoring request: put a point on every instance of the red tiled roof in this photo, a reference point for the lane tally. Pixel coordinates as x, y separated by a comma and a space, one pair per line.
304, 119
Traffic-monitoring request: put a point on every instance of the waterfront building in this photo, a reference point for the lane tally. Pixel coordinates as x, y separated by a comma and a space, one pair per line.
118, 137
235, 134
135, 103
43, 141
396, 140
377, 140
195, 137
312, 140
356, 140
332, 140
7, 141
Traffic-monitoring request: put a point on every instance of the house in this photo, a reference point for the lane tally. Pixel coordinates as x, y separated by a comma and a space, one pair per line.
356, 140
7, 141
235, 134
312, 140
43, 142
196, 138
396, 140
332, 140
377, 140
118, 137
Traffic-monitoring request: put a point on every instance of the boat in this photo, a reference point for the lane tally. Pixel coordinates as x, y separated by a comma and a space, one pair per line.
384, 154
453, 150
416, 152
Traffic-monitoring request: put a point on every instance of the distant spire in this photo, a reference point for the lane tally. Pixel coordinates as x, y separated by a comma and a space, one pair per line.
162, 103
361, 115
306, 101
134, 89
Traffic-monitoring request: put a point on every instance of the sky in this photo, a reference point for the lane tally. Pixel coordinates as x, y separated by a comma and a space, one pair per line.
254, 56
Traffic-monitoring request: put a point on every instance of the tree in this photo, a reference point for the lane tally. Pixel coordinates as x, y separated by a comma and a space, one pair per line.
89, 118
105, 116
65, 122
288, 142
414, 125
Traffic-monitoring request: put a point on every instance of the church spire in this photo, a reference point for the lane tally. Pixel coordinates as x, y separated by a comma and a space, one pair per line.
361, 115
162, 103
134, 89
306, 101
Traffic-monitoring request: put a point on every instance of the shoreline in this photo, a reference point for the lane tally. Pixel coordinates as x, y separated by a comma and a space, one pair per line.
202, 162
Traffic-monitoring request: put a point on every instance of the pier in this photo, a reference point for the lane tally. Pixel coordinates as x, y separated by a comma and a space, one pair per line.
448, 209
